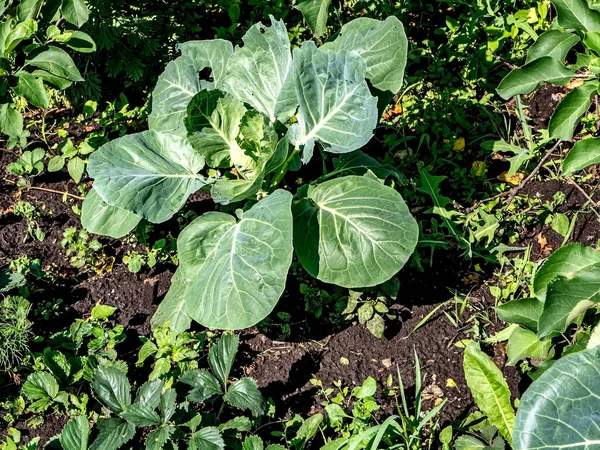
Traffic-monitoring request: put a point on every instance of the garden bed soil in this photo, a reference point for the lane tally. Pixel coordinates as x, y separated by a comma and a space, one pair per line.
283, 370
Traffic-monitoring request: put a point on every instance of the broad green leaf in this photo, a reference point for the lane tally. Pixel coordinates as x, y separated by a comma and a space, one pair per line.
569, 111
204, 385
594, 4
211, 54
114, 433
353, 232
75, 434
382, 44
81, 42
565, 262
151, 174
585, 153
208, 438
221, 356
57, 363
167, 404
237, 266
244, 394
22, 31
525, 344
238, 423
141, 415
560, 409
213, 123
58, 82
310, 427
32, 89
257, 71
467, 442
76, 167
524, 311
57, 62
158, 438
336, 107
99, 217
567, 298
172, 310
40, 386
367, 389
358, 162
174, 90
315, 13
253, 443
553, 43
11, 120
149, 394
28, 9
575, 14
5, 28
489, 390
75, 12
226, 191
112, 388
527, 78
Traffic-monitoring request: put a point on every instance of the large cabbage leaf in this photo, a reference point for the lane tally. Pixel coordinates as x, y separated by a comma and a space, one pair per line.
151, 174
237, 269
257, 71
561, 409
382, 44
170, 98
353, 232
211, 54
99, 217
336, 107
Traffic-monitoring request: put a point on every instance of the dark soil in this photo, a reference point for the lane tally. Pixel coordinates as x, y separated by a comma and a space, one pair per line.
540, 106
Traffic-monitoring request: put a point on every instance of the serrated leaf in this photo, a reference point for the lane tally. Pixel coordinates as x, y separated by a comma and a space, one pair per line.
576, 15
559, 410
32, 89
57, 363
141, 415
112, 388
210, 54
268, 49
167, 404
376, 326
315, 13
524, 311
553, 43
527, 78
158, 438
113, 433
253, 443
430, 185
365, 312
353, 232
208, 438
585, 153
151, 174
336, 107
40, 386
174, 90
149, 394
222, 355
239, 423
75, 12
567, 298
569, 111
565, 262
244, 394
382, 44
237, 266
204, 385
213, 123
489, 389
75, 434
11, 120
525, 344
99, 217
173, 310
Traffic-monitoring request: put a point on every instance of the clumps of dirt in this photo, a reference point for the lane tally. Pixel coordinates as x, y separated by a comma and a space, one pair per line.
540, 106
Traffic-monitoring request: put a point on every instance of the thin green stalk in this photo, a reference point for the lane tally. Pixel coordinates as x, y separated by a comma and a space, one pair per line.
284, 169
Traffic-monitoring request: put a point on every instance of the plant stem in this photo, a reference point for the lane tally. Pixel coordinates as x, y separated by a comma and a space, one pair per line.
580, 189
284, 169
35, 188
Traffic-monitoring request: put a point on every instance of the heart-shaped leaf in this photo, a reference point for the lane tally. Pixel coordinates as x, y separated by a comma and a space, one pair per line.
112, 388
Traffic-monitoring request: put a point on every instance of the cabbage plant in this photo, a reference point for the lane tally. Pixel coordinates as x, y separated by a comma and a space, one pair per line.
264, 110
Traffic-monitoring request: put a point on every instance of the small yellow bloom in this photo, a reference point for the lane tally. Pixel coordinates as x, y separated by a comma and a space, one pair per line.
479, 168
459, 144
514, 180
